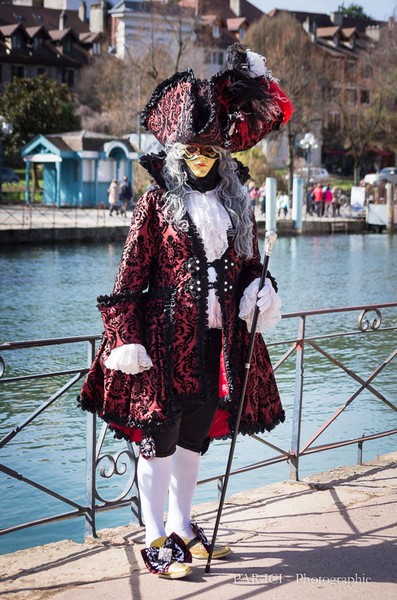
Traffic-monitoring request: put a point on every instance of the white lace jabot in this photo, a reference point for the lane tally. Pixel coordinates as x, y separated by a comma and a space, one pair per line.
212, 221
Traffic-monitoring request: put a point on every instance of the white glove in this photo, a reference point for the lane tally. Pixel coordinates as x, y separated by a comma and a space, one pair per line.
268, 302
265, 296
130, 359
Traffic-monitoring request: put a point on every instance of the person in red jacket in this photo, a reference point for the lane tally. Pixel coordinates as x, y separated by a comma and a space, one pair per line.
169, 370
318, 200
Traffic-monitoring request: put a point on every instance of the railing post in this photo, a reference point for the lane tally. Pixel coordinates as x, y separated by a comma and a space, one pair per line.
219, 485
360, 453
90, 463
135, 500
298, 396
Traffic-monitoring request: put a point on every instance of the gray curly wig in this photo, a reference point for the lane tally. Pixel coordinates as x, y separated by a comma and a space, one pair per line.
233, 195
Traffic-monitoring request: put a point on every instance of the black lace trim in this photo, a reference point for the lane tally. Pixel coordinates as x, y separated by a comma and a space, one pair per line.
154, 163
114, 299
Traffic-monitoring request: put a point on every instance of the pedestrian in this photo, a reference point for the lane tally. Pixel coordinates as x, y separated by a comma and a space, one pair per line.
336, 202
327, 197
113, 197
318, 200
262, 198
125, 194
309, 200
282, 204
253, 194
178, 320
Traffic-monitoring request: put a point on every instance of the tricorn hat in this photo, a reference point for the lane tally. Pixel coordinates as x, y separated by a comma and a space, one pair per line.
234, 110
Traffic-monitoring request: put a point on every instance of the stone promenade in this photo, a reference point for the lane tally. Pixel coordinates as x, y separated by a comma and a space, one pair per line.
331, 536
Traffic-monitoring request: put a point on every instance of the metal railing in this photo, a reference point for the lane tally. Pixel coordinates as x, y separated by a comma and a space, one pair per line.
125, 461
40, 216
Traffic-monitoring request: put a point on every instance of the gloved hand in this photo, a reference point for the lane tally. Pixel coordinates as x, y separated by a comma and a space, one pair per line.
265, 296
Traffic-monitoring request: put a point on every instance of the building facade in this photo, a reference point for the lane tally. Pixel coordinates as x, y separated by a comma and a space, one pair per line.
36, 39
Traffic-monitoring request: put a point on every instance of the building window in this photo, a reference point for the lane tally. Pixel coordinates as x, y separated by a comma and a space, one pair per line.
350, 68
40, 71
351, 96
334, 93
367, 72
216, 31
17, 71
67, 46
96, 48
214, 58
68, 77
15, 42
353, 122
365, 97
241, 33
37, 43
334, 121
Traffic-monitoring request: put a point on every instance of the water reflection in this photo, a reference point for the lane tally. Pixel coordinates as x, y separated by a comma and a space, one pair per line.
51, 292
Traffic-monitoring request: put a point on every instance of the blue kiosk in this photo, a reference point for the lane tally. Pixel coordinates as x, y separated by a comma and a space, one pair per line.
78, 166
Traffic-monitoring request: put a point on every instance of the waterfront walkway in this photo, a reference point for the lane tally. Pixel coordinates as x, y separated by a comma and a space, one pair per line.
330, 536
38, 223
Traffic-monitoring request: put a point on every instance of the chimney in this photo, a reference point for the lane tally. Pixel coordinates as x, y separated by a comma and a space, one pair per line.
83, 11
98, 16
235, 6
336, 18
62, 20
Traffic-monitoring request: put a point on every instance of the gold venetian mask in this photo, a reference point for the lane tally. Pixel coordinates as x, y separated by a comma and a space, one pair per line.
200, 159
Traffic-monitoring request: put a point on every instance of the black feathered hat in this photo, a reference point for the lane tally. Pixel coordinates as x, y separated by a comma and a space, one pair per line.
234, 110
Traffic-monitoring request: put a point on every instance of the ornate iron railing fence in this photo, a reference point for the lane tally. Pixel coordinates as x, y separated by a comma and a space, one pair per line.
40, 216
100, 463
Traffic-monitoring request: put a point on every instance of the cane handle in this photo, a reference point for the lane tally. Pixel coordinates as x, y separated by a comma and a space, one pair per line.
270, 239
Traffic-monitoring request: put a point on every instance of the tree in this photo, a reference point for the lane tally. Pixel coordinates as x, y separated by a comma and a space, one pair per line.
355, 11
365, 97
299, 66
35, 106
113, 91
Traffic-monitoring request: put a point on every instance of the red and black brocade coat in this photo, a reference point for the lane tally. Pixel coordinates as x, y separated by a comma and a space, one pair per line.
159, 300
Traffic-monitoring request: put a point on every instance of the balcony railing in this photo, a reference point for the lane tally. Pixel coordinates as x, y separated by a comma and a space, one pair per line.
102, 464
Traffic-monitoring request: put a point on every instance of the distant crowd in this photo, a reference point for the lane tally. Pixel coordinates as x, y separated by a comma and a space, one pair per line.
323, 201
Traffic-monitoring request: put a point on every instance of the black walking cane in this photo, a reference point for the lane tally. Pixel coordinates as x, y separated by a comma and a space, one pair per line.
270, 238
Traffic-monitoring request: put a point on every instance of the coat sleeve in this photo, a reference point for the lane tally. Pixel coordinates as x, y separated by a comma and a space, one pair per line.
122, 310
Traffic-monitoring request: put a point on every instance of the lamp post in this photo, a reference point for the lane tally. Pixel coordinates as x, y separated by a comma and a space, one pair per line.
6, 128
308, 143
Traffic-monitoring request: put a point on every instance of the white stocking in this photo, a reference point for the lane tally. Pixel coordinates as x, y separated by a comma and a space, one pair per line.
184, 475
153, 480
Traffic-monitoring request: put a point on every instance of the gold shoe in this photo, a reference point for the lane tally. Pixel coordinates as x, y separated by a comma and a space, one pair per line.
176, 570
198, 550
199, 546
166, 557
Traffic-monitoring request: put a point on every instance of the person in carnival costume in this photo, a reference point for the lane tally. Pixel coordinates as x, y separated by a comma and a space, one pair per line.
169, 369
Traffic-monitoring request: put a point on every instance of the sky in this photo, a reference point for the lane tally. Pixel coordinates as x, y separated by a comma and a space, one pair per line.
380, 10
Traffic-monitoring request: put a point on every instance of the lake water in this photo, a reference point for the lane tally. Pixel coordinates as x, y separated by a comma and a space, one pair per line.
51, 291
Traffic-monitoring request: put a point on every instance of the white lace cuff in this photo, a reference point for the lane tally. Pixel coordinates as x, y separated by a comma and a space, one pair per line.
267, 319
129, 358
